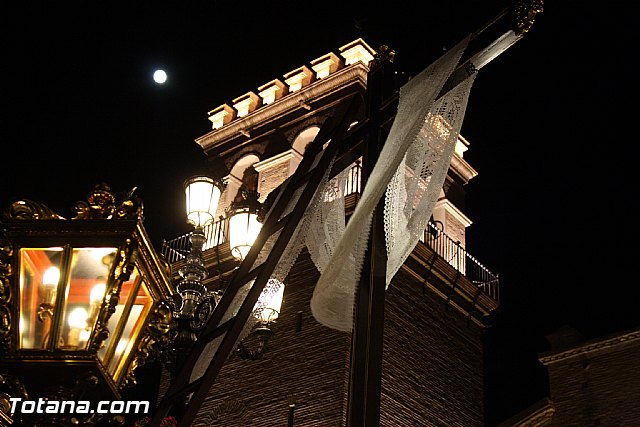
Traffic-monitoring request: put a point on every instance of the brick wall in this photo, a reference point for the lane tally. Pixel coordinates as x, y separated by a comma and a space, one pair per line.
305, 366
455, 229
271, 178
432, 368
597, 388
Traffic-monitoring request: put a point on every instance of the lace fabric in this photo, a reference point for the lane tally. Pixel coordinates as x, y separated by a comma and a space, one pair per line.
413, 191
327, 226
414, 144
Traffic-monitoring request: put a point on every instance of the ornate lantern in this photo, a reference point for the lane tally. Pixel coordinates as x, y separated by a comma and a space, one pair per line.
202, 196
82, 302
244, 226
193, 302
244, 215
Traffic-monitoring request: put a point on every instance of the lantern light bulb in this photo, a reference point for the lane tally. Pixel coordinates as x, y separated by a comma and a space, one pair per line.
51, 277
97, 293
78, 318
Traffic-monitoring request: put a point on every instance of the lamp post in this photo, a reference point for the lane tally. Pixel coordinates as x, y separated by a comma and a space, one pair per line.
83, 299
202, 196
193, 302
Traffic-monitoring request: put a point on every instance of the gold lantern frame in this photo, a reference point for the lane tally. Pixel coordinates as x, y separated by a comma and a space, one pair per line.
133, 309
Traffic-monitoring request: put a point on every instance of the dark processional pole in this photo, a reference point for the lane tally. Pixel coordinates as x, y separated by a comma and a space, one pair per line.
363, 405
365, 375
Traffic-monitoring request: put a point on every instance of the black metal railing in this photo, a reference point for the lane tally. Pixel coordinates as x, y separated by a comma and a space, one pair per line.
458, 257
352, 185
448, 248
176, 249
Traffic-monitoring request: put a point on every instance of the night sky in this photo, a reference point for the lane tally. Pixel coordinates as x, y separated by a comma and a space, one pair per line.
549, 121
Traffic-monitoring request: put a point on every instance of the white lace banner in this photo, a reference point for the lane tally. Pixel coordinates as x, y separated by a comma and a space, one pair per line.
414, 143
413, 191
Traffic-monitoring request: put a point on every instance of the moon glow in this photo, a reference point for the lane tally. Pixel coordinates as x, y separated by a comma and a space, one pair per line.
159, 76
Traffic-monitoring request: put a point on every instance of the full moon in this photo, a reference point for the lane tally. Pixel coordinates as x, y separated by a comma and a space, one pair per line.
160, 76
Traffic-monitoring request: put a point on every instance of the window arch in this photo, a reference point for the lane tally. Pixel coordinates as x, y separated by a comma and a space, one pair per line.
235, 175
242, 164
304, 138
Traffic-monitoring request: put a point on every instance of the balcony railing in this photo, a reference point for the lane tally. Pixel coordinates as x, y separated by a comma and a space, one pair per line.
448, 248
461, 260
176, 249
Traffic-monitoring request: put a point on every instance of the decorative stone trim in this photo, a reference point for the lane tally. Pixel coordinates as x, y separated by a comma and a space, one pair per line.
246, 103
357, 51
453, 211
298, 78
272, 91
221, 116
462, 145
602, 344
326, 65
277, 159
460, 165
356, 74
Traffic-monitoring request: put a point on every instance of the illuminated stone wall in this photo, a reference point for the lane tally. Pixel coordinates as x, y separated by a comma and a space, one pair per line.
306, 365
596, 382
432, 369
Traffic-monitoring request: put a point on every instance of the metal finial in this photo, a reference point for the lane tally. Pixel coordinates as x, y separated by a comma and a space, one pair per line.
525, 14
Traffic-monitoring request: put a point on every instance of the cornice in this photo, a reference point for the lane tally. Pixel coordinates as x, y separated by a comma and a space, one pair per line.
277, 159
590, 347
356, 73
453, 210
463, 168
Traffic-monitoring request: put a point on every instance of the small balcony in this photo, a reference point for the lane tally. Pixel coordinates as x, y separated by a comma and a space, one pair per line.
446, 247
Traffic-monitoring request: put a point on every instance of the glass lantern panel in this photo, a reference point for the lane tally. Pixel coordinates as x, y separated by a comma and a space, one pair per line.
244, 228
116, 322
84, 295
202, 197
39, 277
270, 300
134, 323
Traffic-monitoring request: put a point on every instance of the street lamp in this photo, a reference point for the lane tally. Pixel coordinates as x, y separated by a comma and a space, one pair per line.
202, 197
244, 216
244, 225
266, 312
82, 298
195, 301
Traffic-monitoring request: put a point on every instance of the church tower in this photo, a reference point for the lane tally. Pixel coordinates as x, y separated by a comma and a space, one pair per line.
437, 305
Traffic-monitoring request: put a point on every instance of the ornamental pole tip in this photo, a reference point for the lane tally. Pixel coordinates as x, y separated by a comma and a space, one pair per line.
384, 54
525, 14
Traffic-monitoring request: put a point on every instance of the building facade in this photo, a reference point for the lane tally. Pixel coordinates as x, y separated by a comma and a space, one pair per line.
592, 382
437, 305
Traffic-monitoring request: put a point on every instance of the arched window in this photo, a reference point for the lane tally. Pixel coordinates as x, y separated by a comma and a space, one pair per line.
235, 177
300, 144
304, 138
